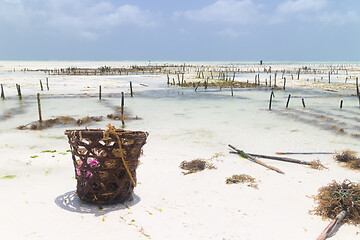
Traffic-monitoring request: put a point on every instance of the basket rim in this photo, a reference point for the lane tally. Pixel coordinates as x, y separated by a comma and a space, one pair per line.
95, 131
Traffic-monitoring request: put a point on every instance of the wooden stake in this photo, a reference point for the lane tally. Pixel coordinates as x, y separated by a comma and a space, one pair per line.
232, 91
197, 86
122, 109
39, 107
329, 77
325, 233
2, 92
168, 80
298, 77
131, 89
19, 91
47, 84
303, 102
271, 96
357, 90
284, 83
341, 103
100, 92
288, 100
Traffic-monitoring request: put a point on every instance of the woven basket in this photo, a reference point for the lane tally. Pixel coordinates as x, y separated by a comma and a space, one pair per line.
101, 174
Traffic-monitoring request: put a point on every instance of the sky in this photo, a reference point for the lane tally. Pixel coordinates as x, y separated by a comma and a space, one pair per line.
186, 30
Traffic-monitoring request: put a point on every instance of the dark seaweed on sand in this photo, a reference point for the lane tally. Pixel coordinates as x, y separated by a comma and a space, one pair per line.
348, 159
242, 178
195, 166
62, 120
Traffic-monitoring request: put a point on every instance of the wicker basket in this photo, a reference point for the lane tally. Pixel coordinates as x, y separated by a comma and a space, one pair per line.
105, 172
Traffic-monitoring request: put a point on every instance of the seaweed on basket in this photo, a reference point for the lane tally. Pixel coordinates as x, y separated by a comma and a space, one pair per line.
348, 159
243, 178
195, 166
335, 197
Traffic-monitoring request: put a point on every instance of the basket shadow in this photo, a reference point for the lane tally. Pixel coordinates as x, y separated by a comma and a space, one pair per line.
71, 202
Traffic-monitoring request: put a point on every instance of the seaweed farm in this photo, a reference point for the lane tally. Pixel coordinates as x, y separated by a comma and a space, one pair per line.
192, 112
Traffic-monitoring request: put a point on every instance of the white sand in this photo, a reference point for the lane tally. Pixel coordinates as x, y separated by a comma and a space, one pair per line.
39, 203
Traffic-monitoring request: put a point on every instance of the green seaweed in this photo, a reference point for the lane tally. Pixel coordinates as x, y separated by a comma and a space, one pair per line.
8, 177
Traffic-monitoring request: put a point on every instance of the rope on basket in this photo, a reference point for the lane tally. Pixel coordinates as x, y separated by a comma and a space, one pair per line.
112, 130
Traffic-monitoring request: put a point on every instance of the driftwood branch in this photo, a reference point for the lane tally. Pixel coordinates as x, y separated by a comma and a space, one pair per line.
253, 159
332, 225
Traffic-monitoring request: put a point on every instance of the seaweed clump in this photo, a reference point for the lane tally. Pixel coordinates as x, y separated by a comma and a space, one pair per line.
335, 197
242, 178
348, 159
316, 164
195, 166
62, 120
116, 116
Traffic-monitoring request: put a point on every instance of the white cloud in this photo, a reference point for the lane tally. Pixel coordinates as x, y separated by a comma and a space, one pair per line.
229, 32
83, 17
315, 11
228, 11
338, 18
296, 6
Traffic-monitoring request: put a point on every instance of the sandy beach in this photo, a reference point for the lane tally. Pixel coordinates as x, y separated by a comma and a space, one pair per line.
37, 176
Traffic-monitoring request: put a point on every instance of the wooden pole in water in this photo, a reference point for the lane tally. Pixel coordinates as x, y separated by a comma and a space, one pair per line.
2, 92
357, 89
232, 91
131, 89
329, 77
47, 84
271, 96
41, 86
100, 92
303, 102
19, 91
39, 107
284, 83
122, 109
341, 103
197, 86
288, 100
298, 77
168, 80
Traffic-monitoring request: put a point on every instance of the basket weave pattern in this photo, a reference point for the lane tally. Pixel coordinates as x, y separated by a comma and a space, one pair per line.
99, 169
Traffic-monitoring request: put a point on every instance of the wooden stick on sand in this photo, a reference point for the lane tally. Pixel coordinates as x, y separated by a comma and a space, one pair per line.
253, 159
302, 153
332, 225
